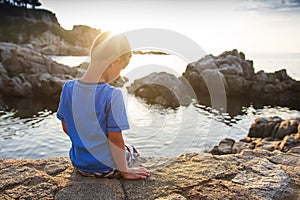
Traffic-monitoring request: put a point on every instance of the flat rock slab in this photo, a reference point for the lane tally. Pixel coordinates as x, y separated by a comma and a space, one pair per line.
92, 189
252, 174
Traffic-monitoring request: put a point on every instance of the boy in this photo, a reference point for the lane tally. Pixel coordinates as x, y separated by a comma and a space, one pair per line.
93, 114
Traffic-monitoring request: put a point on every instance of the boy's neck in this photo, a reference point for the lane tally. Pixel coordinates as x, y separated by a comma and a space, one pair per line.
83, 79
92, 76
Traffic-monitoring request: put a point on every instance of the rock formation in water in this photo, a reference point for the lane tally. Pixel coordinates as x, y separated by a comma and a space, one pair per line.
162, 88
228, 74
25, 72
250, 173
39, 29
240, 79
270, 134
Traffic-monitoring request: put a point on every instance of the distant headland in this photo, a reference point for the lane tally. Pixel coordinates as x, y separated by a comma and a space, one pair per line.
39, 29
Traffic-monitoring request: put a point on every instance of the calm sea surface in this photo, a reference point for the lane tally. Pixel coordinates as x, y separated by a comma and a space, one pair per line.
29, 128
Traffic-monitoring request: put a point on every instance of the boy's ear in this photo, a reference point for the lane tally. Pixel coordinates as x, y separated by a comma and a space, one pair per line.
116, 62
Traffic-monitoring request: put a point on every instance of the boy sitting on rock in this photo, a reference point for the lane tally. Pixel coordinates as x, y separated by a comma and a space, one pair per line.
93, 114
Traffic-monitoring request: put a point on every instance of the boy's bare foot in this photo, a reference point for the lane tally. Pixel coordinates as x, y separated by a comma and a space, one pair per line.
136, 173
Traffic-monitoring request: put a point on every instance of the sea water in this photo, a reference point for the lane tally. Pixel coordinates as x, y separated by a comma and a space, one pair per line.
29, 128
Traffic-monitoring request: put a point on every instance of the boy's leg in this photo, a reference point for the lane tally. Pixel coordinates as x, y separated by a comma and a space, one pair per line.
109, 174
131, 154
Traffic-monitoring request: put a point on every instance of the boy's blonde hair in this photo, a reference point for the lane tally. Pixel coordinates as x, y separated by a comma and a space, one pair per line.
107, 46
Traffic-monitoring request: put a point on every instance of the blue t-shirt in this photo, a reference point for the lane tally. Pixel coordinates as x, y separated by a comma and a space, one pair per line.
89, 112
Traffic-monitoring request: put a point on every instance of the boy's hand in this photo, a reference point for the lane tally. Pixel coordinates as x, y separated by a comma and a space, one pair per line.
136, 173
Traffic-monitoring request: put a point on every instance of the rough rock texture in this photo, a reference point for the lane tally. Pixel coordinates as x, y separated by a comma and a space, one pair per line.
243, 173
240, 79
79, 40
40, 30
51, 44
252, 174
25, 72
272, 133
162, 88
274, 127
228, 74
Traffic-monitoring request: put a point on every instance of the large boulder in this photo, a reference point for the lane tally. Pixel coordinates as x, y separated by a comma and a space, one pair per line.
228, 75
25, 72
162, 88
241, 80
237, 72
252, 174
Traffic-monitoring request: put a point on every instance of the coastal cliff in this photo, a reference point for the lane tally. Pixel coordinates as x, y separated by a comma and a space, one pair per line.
252, 173
40, 30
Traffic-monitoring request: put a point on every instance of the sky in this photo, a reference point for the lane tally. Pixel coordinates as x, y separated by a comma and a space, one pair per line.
271, 26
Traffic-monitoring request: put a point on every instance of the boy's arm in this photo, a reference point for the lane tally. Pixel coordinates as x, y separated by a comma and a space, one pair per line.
64, 127
117, 147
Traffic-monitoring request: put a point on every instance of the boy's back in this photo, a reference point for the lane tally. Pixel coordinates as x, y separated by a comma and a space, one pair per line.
89, 112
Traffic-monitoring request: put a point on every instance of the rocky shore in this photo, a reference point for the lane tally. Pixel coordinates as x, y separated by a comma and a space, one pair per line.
25, 72
252, 172
229, 74
40, 30
270, 134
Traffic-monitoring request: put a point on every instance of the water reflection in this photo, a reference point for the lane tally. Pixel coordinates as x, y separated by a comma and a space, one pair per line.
237, 105
19, 115
29, 128
28, 107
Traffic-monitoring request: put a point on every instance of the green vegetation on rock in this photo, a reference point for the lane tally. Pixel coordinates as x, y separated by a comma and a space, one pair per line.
40, 29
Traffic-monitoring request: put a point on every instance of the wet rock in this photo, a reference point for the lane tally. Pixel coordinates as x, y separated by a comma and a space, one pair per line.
266, 134
264, 127
273, 127
287, 127
224, 147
